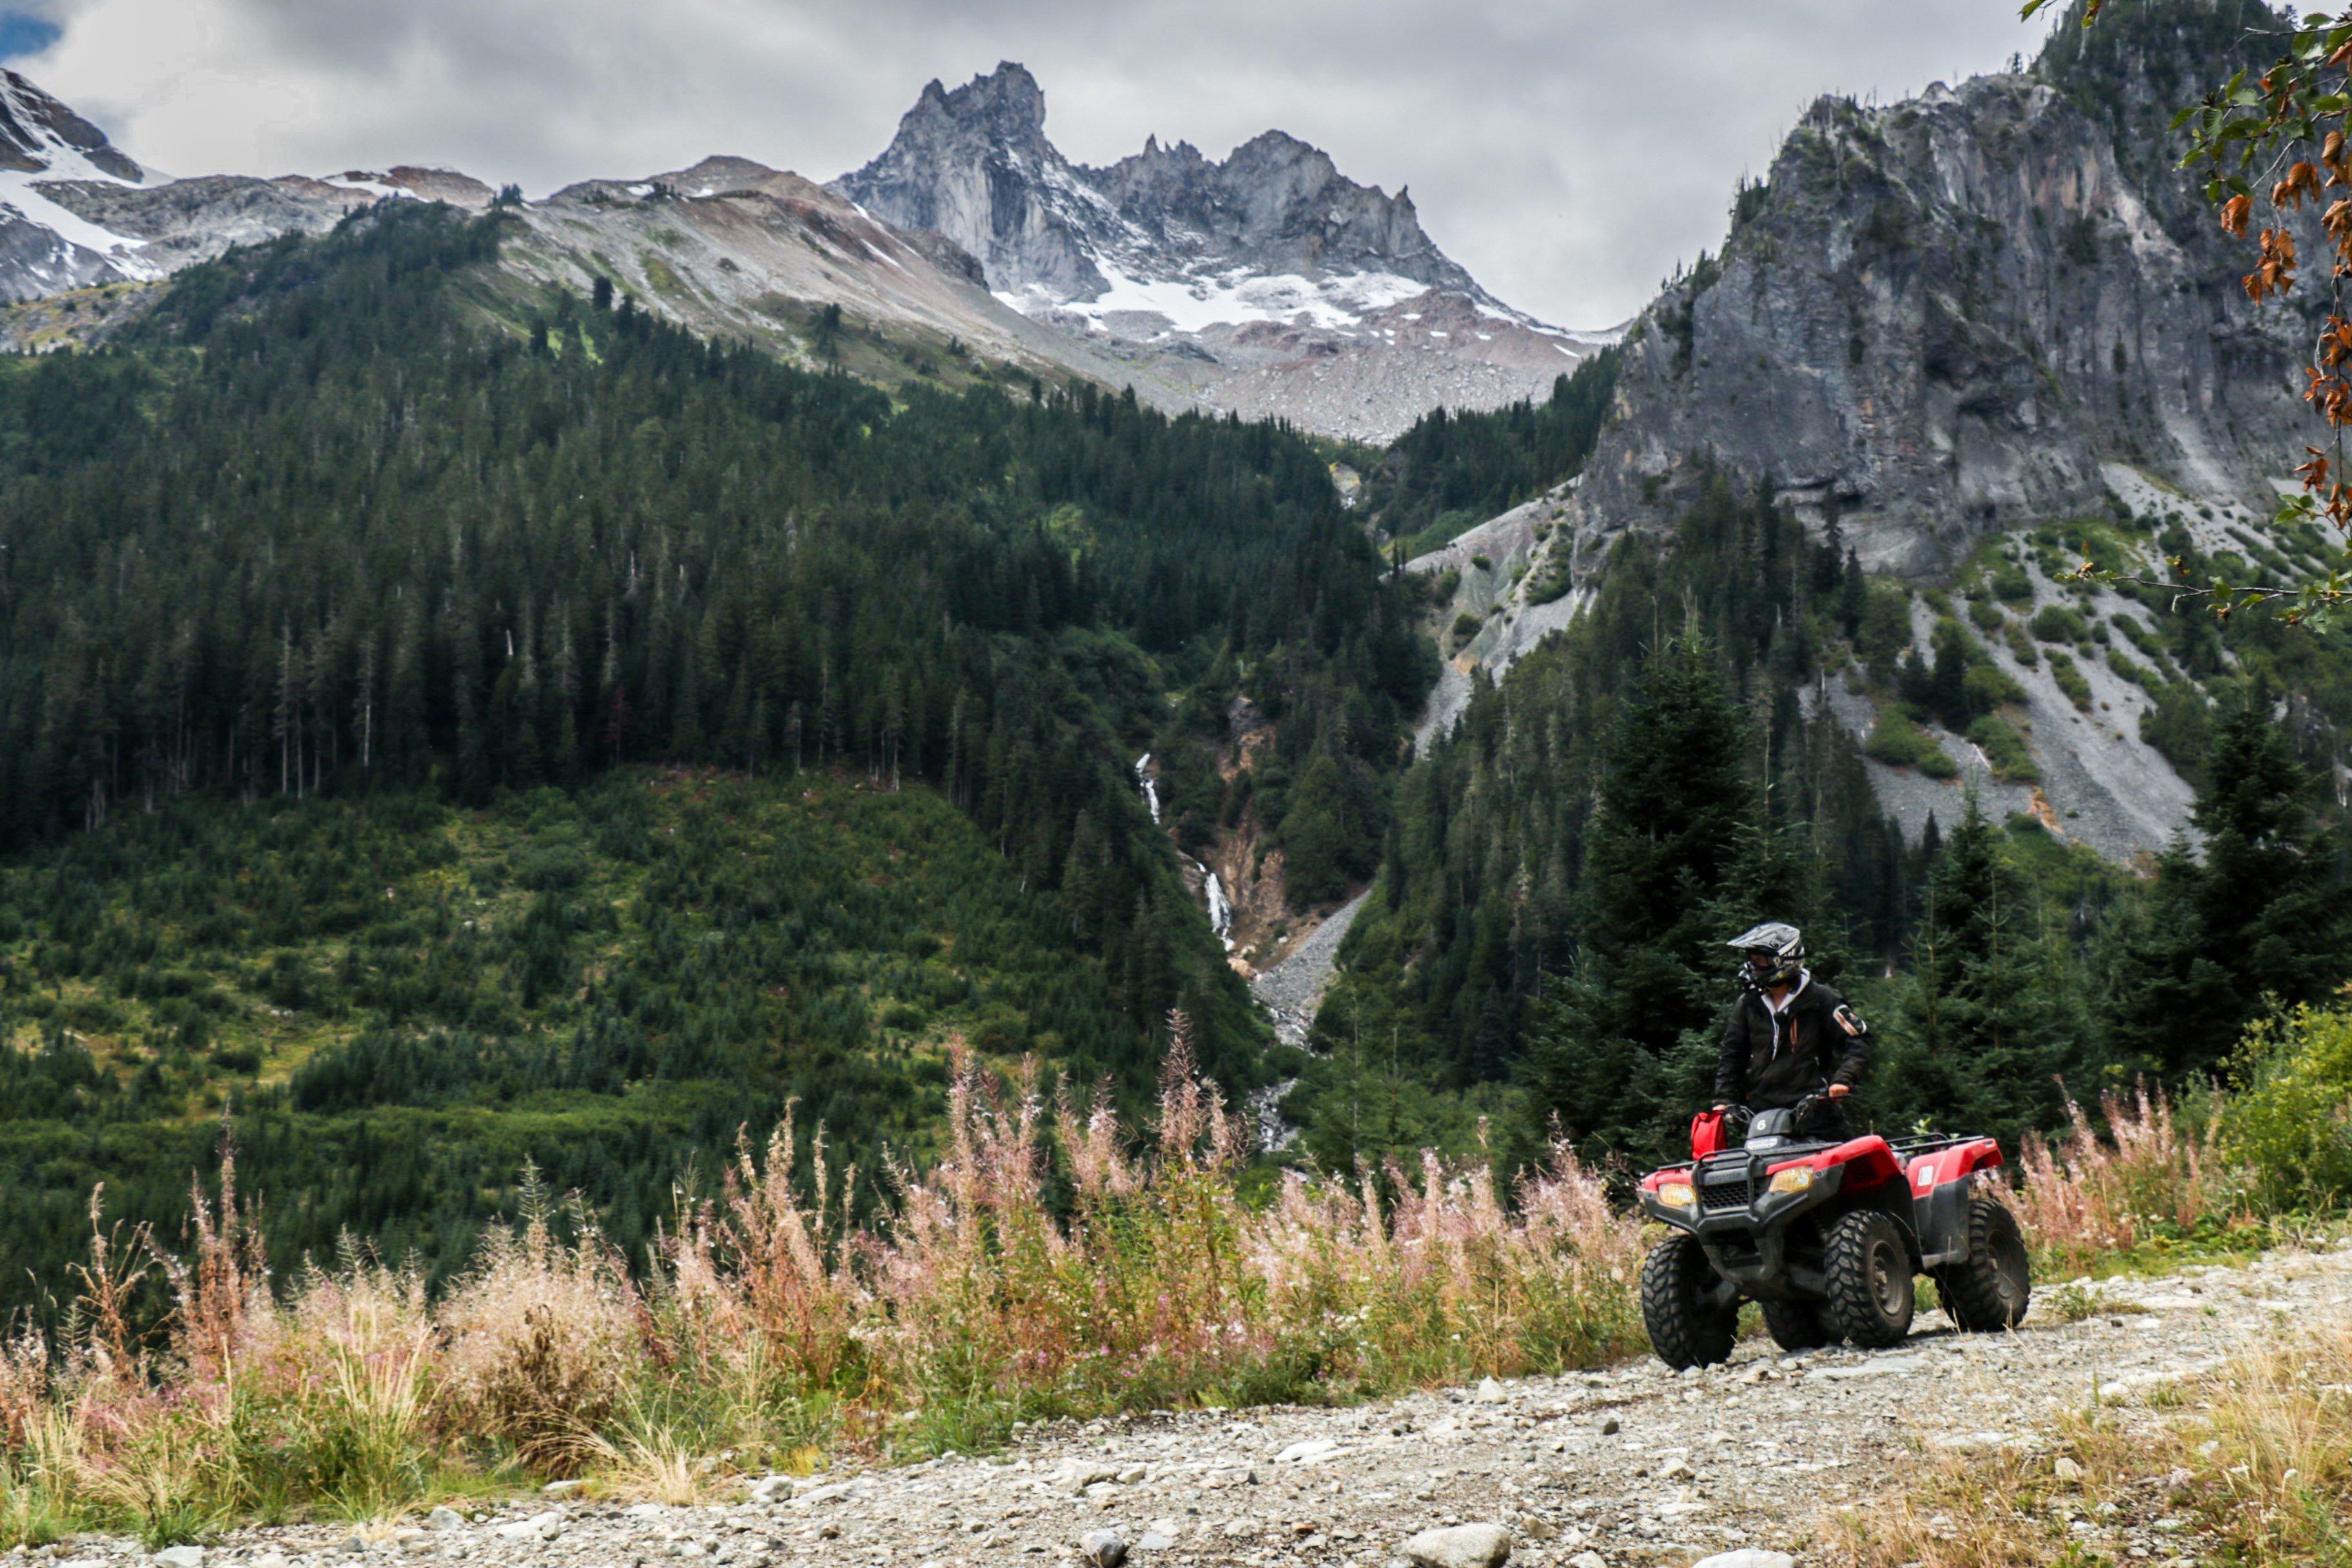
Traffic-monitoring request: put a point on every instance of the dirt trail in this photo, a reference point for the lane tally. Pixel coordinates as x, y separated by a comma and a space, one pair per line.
1627, 1466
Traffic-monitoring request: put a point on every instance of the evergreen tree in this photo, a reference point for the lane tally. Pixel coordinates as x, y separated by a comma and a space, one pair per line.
1614, 1055
1983, 1037
2250, 922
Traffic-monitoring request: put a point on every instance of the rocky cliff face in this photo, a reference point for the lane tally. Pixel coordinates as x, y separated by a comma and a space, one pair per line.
1941, 319
1266, 283
974, 165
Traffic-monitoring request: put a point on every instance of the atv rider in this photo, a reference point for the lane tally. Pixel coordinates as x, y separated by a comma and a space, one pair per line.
1789, 1034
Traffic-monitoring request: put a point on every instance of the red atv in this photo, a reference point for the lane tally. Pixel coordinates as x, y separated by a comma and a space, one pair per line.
1824, 1237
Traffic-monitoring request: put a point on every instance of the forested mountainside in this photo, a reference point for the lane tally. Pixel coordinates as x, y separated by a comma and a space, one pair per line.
354, 519
1544, 937
400, 1004
1823, 659
1457, 468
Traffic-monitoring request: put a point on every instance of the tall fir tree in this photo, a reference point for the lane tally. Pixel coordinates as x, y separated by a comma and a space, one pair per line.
1983, 1036
2250, 922
1616, 1053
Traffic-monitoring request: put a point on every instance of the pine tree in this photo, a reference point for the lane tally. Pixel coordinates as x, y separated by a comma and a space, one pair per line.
1983, 1037
2249, 923
1615, 1054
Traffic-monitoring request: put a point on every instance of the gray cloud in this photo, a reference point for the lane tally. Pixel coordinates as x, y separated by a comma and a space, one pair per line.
1569, 152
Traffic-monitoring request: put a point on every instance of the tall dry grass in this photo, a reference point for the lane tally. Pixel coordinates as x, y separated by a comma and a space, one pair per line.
2250, 1465
763, 1325
2156, 1174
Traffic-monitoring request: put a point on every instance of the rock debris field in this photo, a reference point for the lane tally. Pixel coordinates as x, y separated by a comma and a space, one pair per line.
1631, 1465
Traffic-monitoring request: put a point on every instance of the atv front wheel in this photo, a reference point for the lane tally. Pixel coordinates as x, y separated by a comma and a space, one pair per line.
1683, 1305
1990, 1288
1797, 1325
1869, 1269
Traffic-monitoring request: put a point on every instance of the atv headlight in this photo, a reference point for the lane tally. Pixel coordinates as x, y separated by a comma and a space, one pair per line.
1678, 1196
1795, 1179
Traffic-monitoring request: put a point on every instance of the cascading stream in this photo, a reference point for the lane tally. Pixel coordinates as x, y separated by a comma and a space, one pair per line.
1220, 909
1150, 785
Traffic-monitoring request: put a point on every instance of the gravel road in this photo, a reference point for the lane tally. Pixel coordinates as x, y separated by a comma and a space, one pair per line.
1628, 1467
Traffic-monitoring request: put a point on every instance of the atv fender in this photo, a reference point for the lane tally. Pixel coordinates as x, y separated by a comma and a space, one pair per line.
1941, 1187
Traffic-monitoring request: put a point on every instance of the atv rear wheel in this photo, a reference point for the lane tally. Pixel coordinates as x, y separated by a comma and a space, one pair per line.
1869, 1268
1990, 1288
1683, 1305
1797, 1325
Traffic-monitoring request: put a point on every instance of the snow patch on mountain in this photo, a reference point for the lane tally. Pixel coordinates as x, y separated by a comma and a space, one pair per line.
1194, 301
1266, 282
44, 143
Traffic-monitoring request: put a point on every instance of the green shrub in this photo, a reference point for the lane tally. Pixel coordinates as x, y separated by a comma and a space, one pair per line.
1987, 685
1554, 580
2010, 583
1897, 740
2070, 680
1886, 628
2122, 665
1465, 626
2005, 750
554, 869
2292, 1119
1986, 615
2021, 646
2056, 622
2180, 727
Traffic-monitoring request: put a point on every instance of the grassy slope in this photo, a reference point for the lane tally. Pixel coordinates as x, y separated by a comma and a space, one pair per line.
402, 1003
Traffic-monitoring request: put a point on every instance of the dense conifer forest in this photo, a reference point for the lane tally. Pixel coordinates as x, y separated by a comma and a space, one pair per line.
1543, 944
350, 535
1456, 468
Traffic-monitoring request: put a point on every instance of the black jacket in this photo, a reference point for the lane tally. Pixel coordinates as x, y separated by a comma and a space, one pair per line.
1767, 1068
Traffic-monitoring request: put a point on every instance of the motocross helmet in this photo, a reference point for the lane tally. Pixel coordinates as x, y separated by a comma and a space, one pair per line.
1771, 954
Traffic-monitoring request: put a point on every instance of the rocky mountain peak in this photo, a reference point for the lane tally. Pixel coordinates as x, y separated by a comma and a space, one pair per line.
39, 135
974, 165
1006, 101
1267, 282
1964, 313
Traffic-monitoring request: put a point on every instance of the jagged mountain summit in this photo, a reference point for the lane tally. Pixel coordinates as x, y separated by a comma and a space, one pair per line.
1268, 282
76, 212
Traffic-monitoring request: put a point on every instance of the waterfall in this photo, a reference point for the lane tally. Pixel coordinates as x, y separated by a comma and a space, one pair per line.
1220, 909
1221, 913
1151, 786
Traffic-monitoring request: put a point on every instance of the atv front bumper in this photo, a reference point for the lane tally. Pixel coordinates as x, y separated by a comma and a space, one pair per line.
1743, 1226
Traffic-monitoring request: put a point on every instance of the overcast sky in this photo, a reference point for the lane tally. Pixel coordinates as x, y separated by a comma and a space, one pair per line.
1569, 152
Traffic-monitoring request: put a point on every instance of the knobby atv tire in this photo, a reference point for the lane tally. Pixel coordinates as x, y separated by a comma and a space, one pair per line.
1869, 1268
1797, 1325
1989, 1290
1686, 1328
